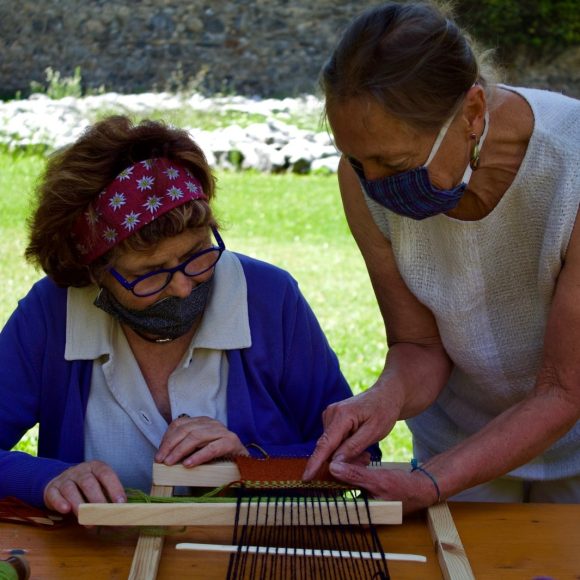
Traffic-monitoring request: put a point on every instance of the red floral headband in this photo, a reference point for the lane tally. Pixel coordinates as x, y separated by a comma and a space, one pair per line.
136, 197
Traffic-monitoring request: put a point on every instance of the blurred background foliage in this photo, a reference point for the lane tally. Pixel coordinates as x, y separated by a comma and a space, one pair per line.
539, 28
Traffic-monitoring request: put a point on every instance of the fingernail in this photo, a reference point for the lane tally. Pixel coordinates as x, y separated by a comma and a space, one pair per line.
120, 499
341, 458
337, 468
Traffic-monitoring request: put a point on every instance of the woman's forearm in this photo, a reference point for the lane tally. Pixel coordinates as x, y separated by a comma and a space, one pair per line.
512, 439
414, 375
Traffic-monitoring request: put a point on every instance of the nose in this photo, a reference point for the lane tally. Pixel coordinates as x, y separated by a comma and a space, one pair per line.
372, 171
180, 285
371, 175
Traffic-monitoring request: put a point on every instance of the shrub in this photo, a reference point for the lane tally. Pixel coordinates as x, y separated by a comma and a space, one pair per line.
541, 28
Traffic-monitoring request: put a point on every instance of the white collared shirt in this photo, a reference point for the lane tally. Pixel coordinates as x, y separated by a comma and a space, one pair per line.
123, 426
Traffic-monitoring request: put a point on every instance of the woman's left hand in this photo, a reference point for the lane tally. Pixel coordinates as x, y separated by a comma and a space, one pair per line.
415, 489
197, 440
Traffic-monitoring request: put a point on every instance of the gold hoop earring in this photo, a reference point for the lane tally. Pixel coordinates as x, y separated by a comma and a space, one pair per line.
474, 160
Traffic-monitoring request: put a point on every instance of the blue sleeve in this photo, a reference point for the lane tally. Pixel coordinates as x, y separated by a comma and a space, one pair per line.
312, 379
301, 373
23, 358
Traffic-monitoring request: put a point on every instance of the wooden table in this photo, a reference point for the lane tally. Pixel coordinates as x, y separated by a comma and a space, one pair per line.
502, 541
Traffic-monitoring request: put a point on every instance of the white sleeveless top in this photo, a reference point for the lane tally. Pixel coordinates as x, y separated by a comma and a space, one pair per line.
490, 283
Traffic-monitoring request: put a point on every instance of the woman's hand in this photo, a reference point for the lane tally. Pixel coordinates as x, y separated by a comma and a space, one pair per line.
91, 481
197, 440
414, 489
350, 426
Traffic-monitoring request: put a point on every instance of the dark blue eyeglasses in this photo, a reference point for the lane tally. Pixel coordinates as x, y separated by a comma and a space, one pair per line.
154, 282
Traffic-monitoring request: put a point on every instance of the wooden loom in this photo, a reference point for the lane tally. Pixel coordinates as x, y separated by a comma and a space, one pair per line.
450, 552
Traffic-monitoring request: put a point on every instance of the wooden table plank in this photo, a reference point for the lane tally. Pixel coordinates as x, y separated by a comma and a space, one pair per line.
502, 542
520, 541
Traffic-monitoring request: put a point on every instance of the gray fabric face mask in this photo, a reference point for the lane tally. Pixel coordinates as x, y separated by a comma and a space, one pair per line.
163, 321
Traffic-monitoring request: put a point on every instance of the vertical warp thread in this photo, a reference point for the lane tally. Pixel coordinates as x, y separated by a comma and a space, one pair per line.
293, 519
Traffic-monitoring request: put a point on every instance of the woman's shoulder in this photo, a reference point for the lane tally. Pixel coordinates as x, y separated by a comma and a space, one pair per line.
45, 294
542, 96
553, 112
40, 313
269, 286
261, 271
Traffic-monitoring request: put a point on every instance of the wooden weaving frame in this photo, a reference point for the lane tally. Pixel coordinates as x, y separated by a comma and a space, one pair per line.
214, 474
449, 549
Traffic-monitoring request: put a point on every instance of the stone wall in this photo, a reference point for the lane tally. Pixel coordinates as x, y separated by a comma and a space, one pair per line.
263, 47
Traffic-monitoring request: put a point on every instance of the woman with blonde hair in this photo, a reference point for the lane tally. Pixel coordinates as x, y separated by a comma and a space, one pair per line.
462, 195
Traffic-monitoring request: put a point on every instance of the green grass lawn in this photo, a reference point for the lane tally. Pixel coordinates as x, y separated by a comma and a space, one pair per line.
293, 221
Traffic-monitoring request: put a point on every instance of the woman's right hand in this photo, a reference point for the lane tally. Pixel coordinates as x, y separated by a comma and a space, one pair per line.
196, 440
88, 482
350, 426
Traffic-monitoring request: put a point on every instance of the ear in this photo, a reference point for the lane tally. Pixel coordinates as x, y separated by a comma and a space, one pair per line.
474, 107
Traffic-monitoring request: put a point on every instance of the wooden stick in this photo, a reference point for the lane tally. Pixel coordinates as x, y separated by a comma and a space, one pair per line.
215, 474
148, 550
223, 514
452, 557
207, 475
301, 552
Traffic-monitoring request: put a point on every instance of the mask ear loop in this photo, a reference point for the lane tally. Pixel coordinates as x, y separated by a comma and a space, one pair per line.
439, 139
443, 132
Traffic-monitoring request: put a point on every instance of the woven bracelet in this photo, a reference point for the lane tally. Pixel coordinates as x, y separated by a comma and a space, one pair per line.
416, 467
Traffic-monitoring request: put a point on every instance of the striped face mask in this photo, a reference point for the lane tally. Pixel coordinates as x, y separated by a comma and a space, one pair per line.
411, 193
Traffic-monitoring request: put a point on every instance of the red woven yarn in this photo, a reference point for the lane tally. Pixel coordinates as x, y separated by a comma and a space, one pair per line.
282, 472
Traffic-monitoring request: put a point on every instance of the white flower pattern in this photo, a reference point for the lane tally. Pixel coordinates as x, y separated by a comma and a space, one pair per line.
192, 187
145, 182
153, 203
131, 220
174, 193
126, 173
92, 215
172, 173
117, 200
141, 198
110, 235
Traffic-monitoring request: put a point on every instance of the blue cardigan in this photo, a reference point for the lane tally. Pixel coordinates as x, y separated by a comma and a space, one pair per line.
277, 388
